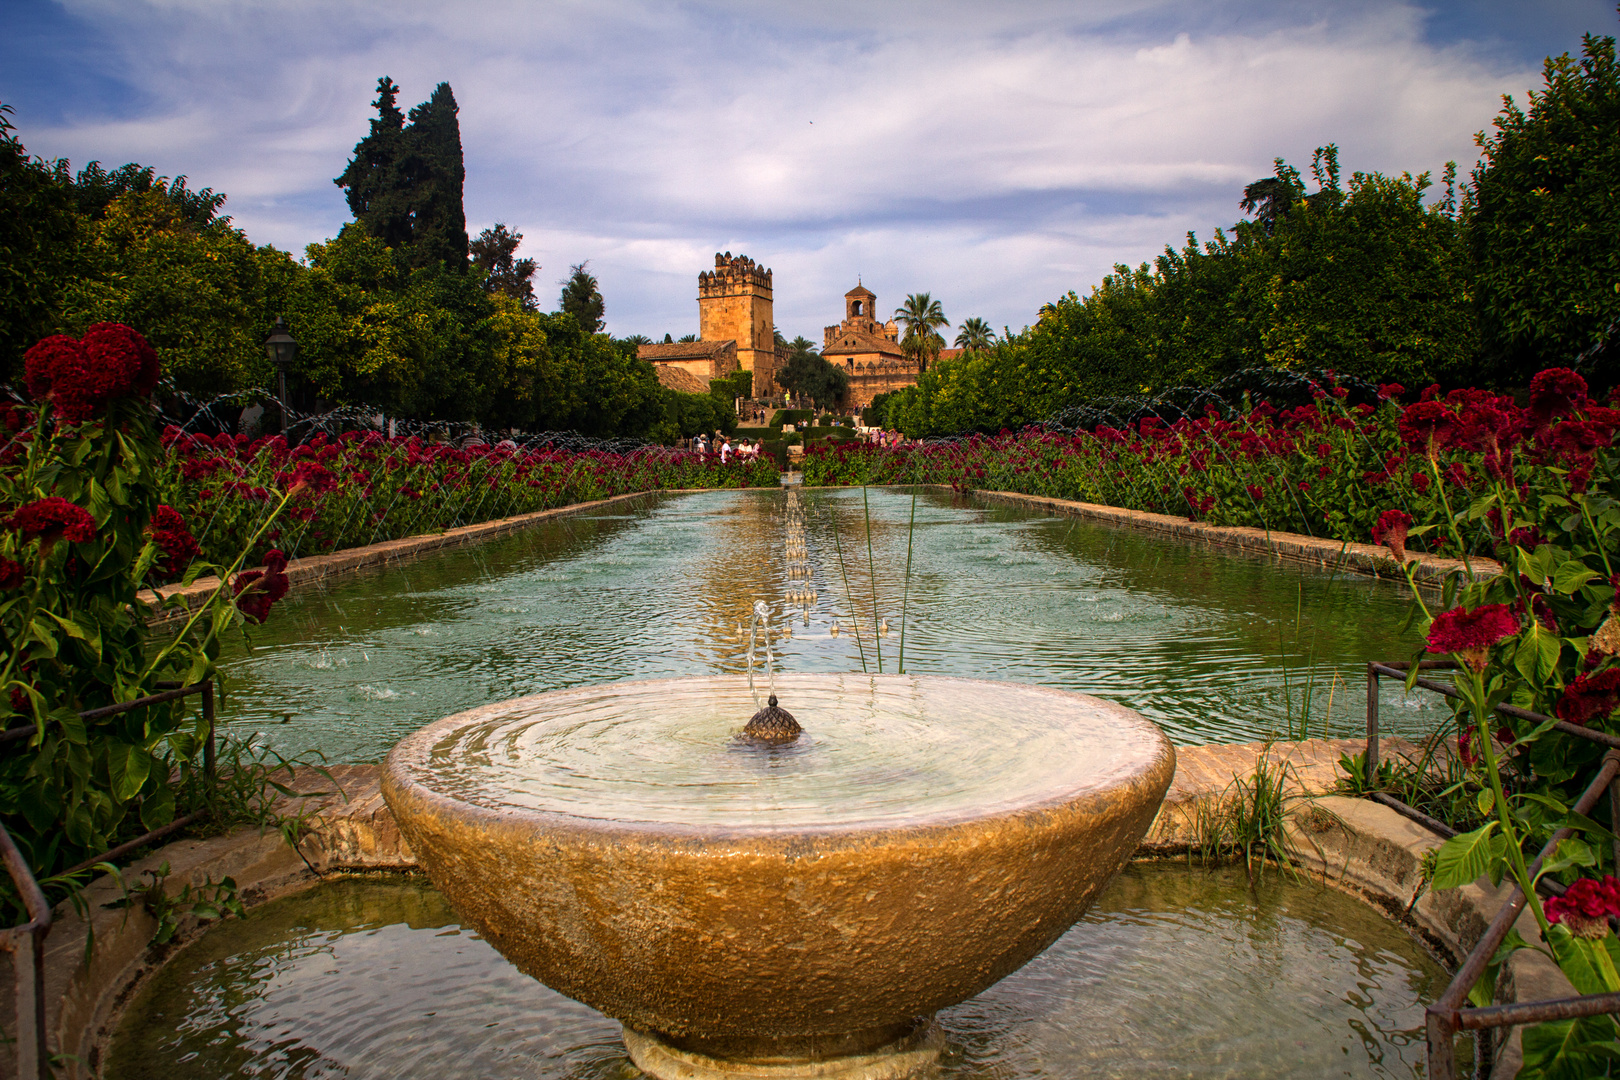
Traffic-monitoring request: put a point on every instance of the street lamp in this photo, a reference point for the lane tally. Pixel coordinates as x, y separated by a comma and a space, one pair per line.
281, 348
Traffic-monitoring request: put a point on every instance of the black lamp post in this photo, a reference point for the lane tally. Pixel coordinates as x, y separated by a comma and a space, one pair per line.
281, 348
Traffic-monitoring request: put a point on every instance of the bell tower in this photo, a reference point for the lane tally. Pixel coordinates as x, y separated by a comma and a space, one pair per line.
734, 303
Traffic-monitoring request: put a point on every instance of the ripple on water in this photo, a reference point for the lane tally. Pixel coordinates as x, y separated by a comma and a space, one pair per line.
1176, 972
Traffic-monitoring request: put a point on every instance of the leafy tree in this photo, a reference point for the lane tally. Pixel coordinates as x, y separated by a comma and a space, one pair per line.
809, 374
94, 189
39, 238
635, 341
684, 338
1545, 218
975, 335
196, 291
1270, 198
494, 253
739, 384
922, 317
876, 412
582, 299
404, 183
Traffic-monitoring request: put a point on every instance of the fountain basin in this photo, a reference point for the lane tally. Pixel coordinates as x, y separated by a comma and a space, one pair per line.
763, 906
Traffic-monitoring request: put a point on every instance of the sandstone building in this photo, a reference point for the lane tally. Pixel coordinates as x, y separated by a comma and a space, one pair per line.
736, 329
869, 351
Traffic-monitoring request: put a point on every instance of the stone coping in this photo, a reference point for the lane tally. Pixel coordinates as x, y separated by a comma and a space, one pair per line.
316, 568
1355, 845
1370, 559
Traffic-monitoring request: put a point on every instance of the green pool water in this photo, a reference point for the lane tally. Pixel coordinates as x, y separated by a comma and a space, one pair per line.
1213, 647
1176, 972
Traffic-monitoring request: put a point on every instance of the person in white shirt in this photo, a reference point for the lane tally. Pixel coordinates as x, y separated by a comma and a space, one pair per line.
725, 451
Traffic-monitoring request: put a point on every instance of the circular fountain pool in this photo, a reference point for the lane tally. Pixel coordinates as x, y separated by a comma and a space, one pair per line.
877, 751
1175, 972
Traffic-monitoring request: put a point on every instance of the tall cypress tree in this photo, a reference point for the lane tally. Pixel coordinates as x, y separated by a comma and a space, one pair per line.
378, 191
404, 182
434, 137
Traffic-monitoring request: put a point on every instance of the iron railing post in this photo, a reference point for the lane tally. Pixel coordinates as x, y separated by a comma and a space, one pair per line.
27, 945
1372, 721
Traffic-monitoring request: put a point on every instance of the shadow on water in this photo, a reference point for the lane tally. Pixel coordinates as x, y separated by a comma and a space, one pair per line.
1208, 645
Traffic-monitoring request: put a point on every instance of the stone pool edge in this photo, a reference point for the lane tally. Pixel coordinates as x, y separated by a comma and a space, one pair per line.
302, 573
1369, 559
1360, 847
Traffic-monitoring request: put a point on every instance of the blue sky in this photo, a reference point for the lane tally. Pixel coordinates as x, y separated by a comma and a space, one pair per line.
993, 154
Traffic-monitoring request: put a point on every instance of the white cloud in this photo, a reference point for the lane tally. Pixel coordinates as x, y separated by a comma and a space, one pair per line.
993, 155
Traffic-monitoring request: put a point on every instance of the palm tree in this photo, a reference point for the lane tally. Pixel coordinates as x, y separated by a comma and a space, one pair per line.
921, 316
975, 335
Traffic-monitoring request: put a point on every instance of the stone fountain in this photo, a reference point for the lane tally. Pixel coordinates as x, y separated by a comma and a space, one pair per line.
780, 907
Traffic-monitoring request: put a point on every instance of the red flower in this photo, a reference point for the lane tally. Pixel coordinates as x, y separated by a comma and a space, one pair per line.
1544, 613
1556, 392
1465, 747
1586, 907
257, 591
179, 547
1428, 426
111, 362
1390, 391
11, 575
1469, 633
52, 519
1590, 697
1390, 530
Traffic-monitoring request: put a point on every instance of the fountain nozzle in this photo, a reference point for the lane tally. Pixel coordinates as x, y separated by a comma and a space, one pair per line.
772, 724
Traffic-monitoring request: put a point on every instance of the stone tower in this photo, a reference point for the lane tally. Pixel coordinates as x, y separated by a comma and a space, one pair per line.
734, 303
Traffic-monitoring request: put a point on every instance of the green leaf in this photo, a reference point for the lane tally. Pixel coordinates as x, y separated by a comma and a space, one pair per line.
157, 809
1571, 576
1536, 658
127, 767
1558, 1051
1485, 800
1578, 960
1464, 857
1569, 853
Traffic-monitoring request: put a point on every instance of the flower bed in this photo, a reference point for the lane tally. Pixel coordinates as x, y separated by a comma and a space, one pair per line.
361, 489
1327, 468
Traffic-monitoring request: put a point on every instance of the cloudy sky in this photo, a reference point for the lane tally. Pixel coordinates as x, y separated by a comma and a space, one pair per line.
993, 154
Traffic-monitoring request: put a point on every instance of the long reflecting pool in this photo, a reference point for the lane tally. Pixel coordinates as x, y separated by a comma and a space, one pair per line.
1214, 647
1176, 972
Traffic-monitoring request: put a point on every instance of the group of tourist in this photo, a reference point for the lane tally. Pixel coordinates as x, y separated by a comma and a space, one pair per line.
721, 444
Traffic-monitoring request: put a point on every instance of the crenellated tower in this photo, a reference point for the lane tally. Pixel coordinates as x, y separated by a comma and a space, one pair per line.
734, 303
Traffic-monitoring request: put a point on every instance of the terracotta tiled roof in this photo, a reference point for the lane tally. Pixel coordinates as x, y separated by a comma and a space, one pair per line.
684, 350
847, 342
679, 379
861, 290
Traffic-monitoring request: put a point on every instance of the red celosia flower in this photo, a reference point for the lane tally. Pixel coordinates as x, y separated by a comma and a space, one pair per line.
1428, 426
1586, 907
52, 519
179, 547
1465, 747
1390, 391
258, 590
1590, 697
11, 575
111, 362
1556, 392
1469, 633
1390, 530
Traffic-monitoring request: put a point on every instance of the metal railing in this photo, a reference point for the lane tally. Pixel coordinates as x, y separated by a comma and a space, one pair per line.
1449, 1015
26, 942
